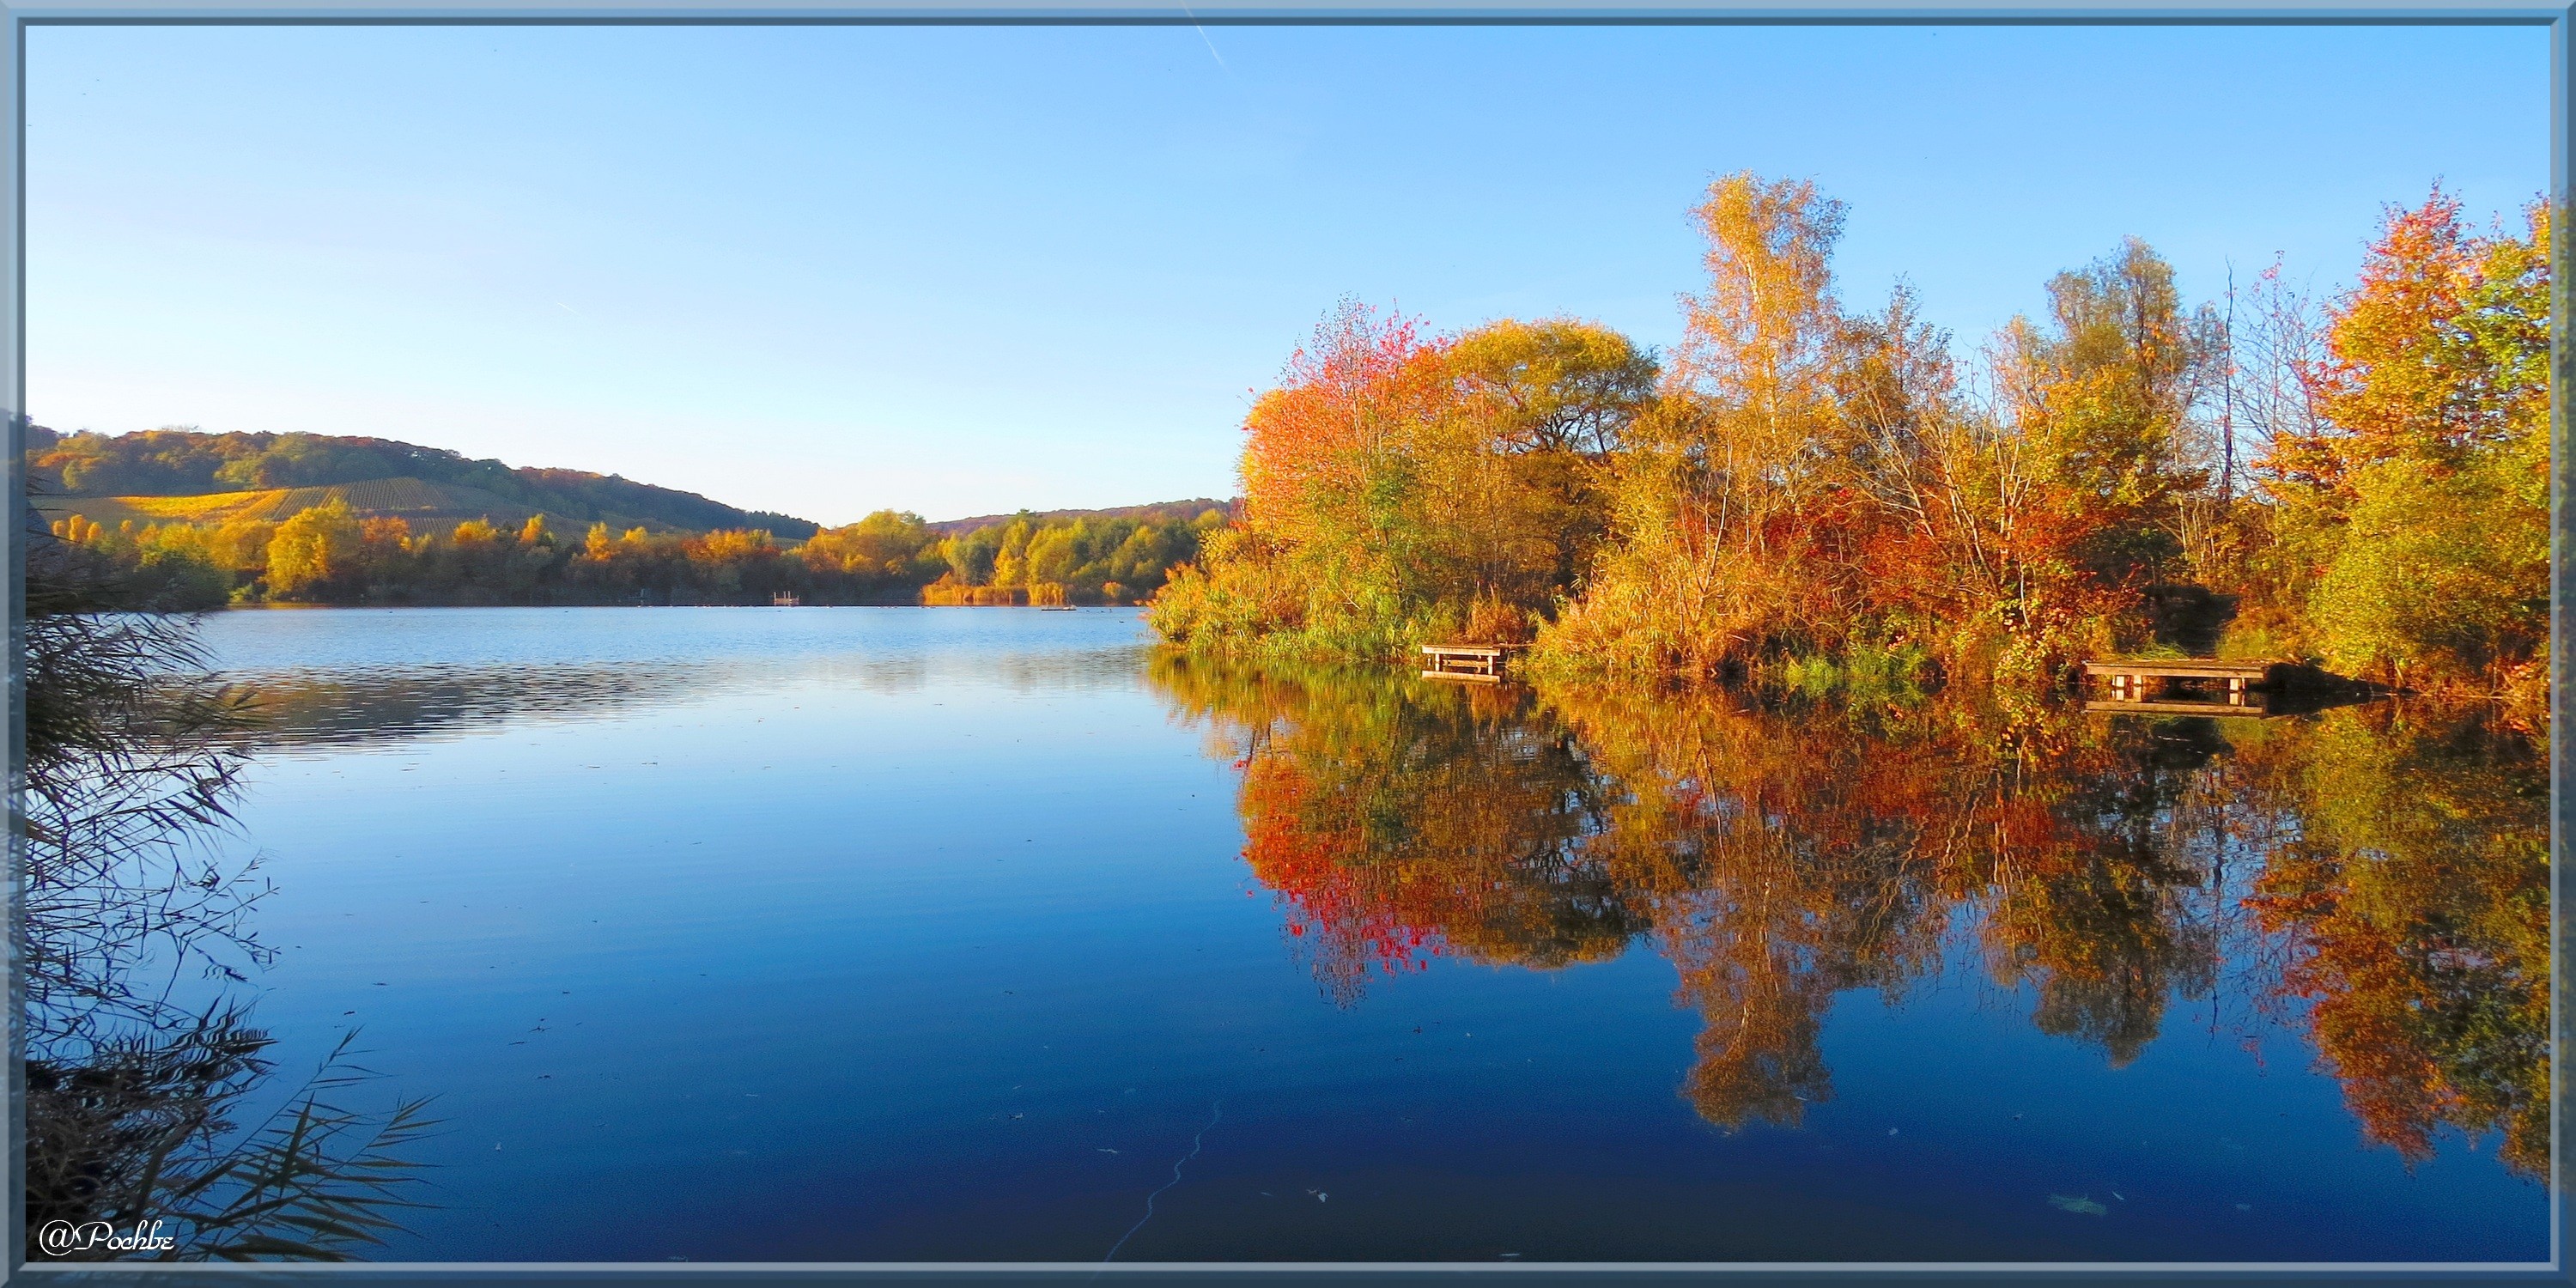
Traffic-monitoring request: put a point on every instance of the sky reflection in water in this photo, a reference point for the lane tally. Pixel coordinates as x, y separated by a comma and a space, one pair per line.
890, 934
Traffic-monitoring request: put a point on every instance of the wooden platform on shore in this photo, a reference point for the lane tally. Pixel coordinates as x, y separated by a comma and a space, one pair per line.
1473, 663
2130, 681
2198, 686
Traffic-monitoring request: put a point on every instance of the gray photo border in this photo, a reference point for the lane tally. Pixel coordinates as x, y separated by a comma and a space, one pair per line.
18, 15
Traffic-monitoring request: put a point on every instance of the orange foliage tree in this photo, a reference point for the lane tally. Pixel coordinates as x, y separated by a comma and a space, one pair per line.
1399, 487
2413, 513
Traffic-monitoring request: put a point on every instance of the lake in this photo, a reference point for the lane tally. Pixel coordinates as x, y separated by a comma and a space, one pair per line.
941, 934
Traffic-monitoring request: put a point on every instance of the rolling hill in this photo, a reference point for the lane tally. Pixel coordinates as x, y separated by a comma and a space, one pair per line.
160, 475
427, 506
165, 475
1156, 512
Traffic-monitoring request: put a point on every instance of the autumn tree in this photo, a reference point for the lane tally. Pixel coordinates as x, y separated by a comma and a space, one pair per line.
2419, 502
1520, 467
1718, 507
1399, 486
312, 549
886, 547
2103, 396
1331, 556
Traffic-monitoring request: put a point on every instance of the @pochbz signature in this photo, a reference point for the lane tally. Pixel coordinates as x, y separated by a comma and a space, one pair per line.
65, 1238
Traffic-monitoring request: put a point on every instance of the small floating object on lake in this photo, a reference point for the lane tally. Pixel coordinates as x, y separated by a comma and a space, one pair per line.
2072, 1203
1890, 1131
2241, 1207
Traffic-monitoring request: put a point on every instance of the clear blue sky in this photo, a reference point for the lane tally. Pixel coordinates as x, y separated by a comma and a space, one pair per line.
964, 270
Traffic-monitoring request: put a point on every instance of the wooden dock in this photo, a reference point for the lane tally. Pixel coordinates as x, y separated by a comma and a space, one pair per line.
2203, 687
1473, 663
2131, 683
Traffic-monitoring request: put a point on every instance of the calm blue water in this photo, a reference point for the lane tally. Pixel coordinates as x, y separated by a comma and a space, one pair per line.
916, 934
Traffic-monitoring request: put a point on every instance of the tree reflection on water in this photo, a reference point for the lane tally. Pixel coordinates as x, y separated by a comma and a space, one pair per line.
2372, 878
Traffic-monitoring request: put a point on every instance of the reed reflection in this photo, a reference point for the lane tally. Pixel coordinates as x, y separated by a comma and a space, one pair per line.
2368, 881
141, 1065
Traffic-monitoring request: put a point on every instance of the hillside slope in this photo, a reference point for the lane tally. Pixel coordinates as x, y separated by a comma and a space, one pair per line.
164, 474
1156, 512
427, 506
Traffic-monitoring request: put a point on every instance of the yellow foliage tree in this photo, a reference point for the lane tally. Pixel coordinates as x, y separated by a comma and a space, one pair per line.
314, 547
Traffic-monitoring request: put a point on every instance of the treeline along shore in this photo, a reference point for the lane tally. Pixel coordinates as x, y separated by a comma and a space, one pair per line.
198, 521
1801, 488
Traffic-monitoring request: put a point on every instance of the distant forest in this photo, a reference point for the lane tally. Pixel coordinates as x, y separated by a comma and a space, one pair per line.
186, 521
